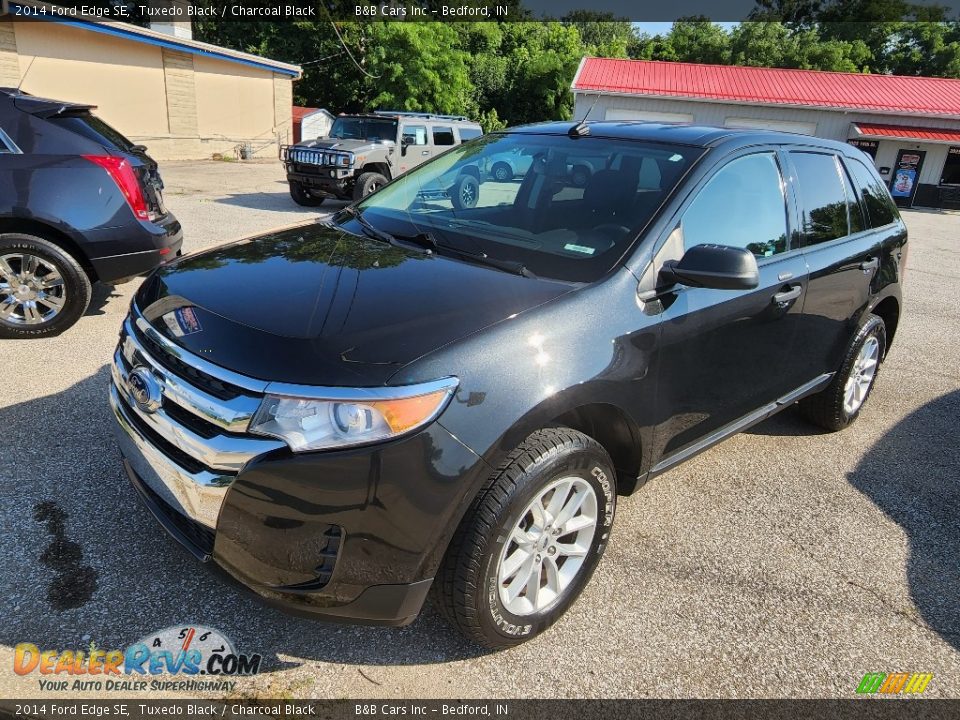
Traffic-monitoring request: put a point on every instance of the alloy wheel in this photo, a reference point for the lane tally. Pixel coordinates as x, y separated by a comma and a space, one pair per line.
32, 290
547, 546
861, 375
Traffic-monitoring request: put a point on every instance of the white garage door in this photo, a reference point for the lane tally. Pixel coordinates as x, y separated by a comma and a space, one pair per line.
660, 117
804, 128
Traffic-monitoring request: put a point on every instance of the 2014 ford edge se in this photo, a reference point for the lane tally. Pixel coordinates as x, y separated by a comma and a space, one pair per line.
421, 398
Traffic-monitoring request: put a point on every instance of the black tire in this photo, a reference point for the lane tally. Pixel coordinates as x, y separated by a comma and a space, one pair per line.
467, 590
75, 289
367, 183
501, 172
827, 407
580, 175
465, 192
302, 196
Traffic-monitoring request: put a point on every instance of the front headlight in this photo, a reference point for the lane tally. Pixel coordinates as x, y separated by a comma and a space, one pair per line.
350, 417
344, 160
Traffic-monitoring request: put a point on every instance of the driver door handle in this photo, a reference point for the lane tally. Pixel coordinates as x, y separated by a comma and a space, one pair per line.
789, 295
870, 264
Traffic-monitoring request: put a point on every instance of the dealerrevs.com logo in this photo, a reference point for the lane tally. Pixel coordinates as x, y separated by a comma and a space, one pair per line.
187, 651
894, 683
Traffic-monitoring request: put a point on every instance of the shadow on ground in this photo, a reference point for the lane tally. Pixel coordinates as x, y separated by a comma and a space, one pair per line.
913, 475
85, 558
278, 200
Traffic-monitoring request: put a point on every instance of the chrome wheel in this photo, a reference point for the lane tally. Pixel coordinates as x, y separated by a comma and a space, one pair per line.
32, 290
467, 195
861, 375
548, 546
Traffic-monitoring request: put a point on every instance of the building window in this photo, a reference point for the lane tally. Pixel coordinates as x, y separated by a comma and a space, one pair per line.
951, 168
793, 126
648, 116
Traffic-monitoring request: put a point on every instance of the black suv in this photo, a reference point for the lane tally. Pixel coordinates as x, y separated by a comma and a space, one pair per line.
78, 203
432, 399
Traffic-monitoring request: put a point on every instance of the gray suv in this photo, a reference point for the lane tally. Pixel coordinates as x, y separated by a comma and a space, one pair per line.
364, 152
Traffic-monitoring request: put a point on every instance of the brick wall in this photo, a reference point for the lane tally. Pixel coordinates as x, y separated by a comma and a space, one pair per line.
9, 65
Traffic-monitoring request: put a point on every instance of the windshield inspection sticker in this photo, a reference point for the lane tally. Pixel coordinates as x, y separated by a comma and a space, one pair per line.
579, 248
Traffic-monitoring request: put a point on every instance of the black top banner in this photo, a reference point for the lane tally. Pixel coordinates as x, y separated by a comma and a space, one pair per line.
146, 11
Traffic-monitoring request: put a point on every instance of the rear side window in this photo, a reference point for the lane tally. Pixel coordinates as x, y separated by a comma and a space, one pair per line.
741, 206
880, 207
469, 133
443, 135
93, 128
822, 196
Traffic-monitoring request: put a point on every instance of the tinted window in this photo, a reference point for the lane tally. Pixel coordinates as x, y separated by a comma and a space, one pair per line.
823, 200
469, 133
854, 211
415, 134
880, 208
353, 128
443, 136
6, 144
93, 128
741, 206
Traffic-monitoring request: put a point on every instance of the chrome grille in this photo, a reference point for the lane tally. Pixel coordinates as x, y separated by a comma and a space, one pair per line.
195, 442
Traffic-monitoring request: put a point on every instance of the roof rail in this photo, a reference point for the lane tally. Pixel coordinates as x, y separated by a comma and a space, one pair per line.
425, 116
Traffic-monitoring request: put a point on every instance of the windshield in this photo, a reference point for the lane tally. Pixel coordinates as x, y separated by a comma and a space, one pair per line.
564, 208
352, 128
93, 128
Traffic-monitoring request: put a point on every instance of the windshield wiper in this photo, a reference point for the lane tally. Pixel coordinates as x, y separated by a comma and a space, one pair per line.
510, 266
384, 236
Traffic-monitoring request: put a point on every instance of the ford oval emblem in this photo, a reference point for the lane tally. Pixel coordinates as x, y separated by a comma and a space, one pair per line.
144, 389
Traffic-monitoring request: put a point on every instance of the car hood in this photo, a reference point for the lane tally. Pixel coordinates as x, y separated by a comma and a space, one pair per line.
316, 305
347, 145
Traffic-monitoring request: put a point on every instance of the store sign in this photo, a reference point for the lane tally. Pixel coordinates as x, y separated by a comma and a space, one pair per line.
868, 146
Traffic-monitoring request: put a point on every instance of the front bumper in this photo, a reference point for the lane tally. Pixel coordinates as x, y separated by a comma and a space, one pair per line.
353, 535
333, 181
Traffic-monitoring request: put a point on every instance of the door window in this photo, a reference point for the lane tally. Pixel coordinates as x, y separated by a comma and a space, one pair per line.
442, 135
741, 206
6, 144
880, 208
822, 197
854, 210
415, 135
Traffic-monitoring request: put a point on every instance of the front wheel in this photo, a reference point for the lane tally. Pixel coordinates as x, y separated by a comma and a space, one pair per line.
530, 541
302, 196
368, 182
465, 192
43, 290
839, 404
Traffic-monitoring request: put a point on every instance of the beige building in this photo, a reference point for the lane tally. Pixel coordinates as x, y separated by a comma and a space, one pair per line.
181, 98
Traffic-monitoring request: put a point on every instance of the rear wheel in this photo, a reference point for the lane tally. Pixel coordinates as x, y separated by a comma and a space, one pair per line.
302, 196
839, 404
367, 183
531, 540
43, 289
465, 192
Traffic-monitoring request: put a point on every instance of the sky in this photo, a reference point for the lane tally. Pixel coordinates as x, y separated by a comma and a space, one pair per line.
661, 28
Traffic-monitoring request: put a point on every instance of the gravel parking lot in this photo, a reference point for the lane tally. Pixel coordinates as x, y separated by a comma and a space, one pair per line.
785, 562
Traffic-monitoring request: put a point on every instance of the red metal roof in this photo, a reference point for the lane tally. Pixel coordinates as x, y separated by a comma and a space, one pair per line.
804, 88
911, 132
299, 111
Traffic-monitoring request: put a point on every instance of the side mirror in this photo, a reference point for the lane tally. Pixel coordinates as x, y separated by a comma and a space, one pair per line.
720, 267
